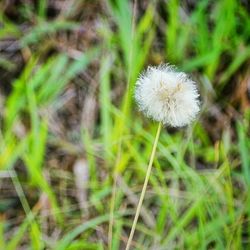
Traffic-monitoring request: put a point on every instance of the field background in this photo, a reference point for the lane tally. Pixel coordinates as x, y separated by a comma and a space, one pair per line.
69, 125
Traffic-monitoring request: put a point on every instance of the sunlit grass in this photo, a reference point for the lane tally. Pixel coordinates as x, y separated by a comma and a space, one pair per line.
198, 194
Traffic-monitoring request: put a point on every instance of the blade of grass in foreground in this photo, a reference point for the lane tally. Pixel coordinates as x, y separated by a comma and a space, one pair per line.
244, 152
244, 147
127, 33
105, 92
68, 238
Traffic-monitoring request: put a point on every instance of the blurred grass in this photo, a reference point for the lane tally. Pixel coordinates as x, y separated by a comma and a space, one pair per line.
199, 188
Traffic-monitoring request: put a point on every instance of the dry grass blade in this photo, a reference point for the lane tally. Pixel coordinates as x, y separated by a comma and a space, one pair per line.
81, 174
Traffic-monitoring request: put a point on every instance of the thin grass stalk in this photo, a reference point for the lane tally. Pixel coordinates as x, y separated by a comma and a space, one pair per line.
115, 175
138, 209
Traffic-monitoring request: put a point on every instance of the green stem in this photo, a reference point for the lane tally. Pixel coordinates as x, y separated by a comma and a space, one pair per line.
125, 112
138, 209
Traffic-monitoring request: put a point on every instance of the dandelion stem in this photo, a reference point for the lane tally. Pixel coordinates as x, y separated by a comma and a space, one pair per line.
138, 209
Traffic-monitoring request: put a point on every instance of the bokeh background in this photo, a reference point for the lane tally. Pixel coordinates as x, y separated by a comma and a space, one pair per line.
69, 125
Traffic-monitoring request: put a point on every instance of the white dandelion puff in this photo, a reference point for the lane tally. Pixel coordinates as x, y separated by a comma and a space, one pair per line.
167, 96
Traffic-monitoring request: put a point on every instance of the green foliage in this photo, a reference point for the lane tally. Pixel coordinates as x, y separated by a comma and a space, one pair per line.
199, 195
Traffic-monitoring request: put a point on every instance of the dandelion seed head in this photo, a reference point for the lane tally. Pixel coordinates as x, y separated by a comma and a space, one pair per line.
167, 96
